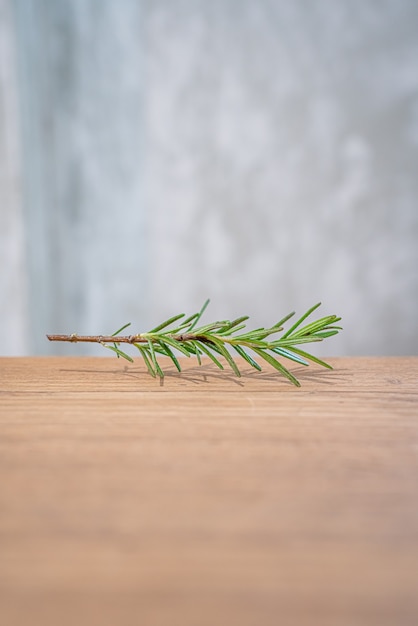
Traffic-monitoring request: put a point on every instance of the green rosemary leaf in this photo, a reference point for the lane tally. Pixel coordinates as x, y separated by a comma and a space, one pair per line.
199, 315
283, 320
278, 366
197, 352
247, 357
202, 330
158, 349
147, 359
213, 346
313, 327
234, 330
311, 357
119, 352
167, 350
249, 343
121, 329
259, 333
293, 341
189, 320
301, 319
190, 347
154, 359
271, 331
176, 344
166, 323
327, 333
206, 350
289, 355
232, 326
221, 348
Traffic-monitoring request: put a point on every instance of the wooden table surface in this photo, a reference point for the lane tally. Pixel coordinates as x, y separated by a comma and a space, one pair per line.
207, 499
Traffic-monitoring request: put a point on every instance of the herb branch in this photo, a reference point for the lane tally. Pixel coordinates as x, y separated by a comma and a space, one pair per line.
219, 341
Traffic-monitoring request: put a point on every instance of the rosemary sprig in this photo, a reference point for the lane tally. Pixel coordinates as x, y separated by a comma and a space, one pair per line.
219, 340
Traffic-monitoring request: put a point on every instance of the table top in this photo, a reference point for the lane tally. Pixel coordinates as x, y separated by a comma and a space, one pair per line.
208, 499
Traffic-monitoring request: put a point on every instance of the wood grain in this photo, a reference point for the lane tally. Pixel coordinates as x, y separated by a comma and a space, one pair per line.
207, 499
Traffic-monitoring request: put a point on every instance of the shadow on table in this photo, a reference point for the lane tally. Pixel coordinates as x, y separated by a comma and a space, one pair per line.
207, 374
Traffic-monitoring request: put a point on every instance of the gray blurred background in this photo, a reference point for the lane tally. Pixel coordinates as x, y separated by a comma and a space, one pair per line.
262, 153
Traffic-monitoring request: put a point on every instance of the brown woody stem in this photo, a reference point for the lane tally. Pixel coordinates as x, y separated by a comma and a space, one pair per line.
99, 338
74, 338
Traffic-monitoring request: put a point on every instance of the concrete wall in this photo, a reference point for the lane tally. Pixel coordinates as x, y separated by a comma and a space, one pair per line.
260, 153
13, 274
